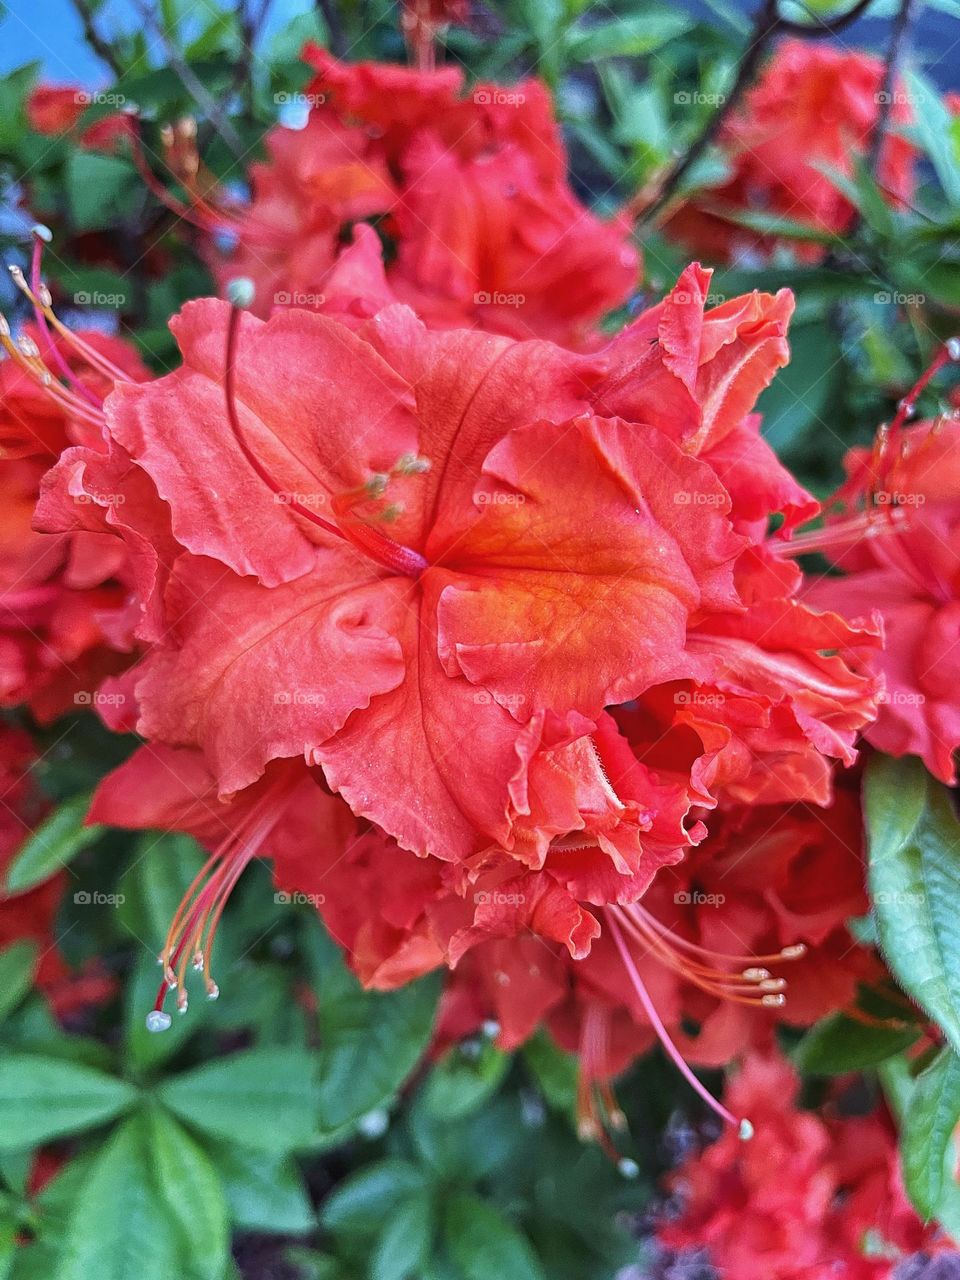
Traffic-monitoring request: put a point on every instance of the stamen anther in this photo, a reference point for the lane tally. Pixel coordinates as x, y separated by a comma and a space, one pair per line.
241, 292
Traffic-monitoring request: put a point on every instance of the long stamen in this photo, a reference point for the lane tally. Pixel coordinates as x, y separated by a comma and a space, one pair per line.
378, 546
41, 236
90, 354
743, 1126
25, 353
194, 928
724, 977
871, 489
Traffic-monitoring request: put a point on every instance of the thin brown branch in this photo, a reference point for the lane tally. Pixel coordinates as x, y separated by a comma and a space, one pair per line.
100, 46
191, 81
888, 86
768, 24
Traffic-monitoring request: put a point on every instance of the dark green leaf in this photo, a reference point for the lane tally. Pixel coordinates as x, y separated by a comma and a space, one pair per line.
914, 880
840, 1044
933, 124
627, 37
265, 1099
189, 1187
43, 1098
464, 1079
931, 1116
98, 187
404, 1244
54, 844
484, 1243
371, 1040
360, 1205
120, 1228
554, 1070
16, 973
265, 1192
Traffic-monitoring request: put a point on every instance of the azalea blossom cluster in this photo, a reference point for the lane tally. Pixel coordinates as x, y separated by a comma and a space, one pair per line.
486, 627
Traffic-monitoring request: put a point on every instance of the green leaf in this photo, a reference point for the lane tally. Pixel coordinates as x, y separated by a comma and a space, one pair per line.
483, 1243
98, 186
931, 1116
54, 844
128, 1224
405, 1242
839, 1044
899, 1087
360, 1205
913, 841
630, 36
265, 1192
189, 1185
43, 1098
16, 974
371, 1040
14, 87
933, 131
771, 224
554, 1071
463, 1079
265, 1099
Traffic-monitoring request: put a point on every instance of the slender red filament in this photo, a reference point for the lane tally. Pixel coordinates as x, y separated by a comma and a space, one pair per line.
663, 1035
376, 545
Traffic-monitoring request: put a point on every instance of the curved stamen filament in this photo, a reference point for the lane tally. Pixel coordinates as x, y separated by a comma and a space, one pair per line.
194, 927
391, 555
94, 358
25, 354
42, 236
753, 985
598, 1112
199, 213
742, 1125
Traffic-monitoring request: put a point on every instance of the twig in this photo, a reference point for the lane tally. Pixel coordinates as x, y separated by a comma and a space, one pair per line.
191, 82
768, 24
888, 86
94, 39
331, 17
823, 26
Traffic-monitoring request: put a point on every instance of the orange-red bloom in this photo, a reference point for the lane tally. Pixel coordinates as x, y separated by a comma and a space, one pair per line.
815, 105
53, 109
482, 223
366, 549
908, 573
810, 1198
60, 598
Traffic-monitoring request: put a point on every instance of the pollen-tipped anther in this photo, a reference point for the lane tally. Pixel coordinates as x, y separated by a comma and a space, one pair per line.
241, 292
